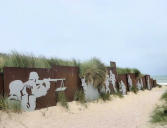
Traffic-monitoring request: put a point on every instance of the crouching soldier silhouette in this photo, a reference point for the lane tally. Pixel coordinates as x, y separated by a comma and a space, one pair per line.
30, 90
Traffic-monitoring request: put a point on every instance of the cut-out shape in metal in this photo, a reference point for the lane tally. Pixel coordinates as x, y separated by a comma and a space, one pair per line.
139, 86
122, 88
29, 91
113, 80
107, 84
141, 82
148, 84
130, 82
91, 93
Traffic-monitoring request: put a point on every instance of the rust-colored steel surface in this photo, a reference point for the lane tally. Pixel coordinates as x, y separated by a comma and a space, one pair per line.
70, 74
134, 79
144, 82
72, 82
1, 84
148, 77
113, 64
154, 83
113, 69
123, 77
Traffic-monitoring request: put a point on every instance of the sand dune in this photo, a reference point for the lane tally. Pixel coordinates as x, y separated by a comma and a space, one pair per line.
132, 111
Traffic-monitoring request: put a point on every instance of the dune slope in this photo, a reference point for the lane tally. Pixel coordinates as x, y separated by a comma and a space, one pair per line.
132, 111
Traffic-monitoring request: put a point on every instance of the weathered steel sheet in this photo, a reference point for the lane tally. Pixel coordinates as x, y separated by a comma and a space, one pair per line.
131, 77
151, 82
154, 83
148, 82
1, 84
144, 82
43, 91
111, 72
123, 78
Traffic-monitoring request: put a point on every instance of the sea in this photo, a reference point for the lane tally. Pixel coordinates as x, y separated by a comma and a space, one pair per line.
161, 79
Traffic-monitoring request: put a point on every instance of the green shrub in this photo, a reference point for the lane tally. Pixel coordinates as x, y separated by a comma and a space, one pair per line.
62, 99
80, 96
105, 96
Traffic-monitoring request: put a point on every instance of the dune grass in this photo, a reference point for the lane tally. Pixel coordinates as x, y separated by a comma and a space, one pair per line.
91, 68
164, 97
94, 71
62, 100
16, 59
118, 94
105, 96
9, 105
160, 113
134, 89
80, 96
129, 70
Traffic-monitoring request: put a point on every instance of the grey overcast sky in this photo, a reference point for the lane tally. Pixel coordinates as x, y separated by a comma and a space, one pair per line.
131, 32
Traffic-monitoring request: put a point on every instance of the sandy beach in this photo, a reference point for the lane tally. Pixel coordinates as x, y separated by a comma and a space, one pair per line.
132, 111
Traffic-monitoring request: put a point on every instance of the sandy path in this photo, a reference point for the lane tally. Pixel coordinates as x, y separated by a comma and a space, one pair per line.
132, 111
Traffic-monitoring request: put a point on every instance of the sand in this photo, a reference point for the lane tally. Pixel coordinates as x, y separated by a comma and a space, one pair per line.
132, 111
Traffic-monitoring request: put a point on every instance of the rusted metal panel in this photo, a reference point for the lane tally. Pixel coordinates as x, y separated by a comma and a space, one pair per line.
144, 82
133, 78
111, 71
154, 83
151, 81
1, 84
113, 64
148, 82
113, 67
123, 77
72, 82
70, 74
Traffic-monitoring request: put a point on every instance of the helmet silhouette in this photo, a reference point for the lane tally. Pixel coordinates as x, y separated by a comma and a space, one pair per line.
33, 76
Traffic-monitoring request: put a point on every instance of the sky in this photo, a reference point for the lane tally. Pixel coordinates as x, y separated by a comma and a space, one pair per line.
133, 33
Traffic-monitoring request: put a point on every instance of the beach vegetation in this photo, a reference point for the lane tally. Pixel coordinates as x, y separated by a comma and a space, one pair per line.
91, 68
80, 96
159, 86
62, 99
160, 113
134, 89
93, 71
118, 94
164, 97
128, 70
10, 105
105, 96
15, 59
